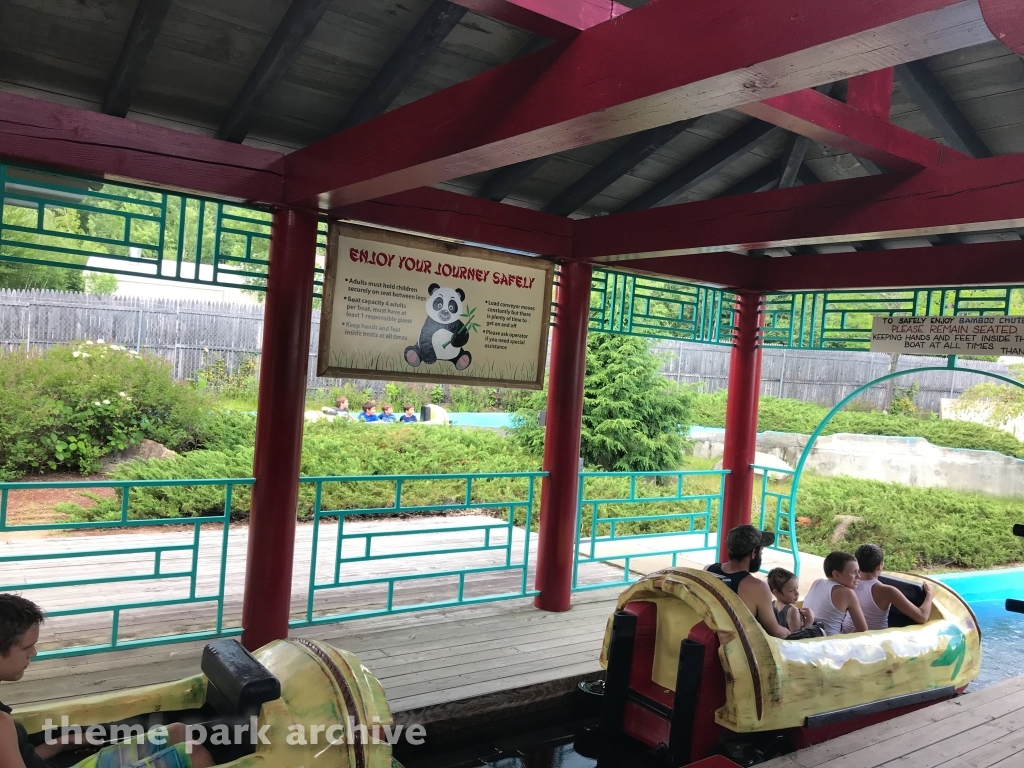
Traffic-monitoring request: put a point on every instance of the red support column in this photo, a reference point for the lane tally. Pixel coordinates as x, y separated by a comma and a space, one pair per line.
557, 539
282, 395
741, 416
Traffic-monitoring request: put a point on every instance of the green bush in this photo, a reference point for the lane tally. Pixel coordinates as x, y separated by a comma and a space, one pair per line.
66, 408
917, 527
783, 415
328, 449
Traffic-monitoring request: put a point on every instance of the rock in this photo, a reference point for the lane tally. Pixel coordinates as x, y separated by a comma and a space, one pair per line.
845, 521
147, 449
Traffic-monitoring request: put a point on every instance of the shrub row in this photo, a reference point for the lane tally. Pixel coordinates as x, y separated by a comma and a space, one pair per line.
782, 415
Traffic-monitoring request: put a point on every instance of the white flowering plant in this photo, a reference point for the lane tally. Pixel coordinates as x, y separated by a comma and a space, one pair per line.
66, 408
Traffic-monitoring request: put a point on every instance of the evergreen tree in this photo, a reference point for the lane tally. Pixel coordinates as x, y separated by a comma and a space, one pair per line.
634, 419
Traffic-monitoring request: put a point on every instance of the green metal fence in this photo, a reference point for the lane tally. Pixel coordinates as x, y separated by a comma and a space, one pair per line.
777, 510
629, 516
111, 578
416, 566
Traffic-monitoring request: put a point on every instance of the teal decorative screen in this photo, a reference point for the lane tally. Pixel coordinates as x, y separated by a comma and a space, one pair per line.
624, 303
841, 320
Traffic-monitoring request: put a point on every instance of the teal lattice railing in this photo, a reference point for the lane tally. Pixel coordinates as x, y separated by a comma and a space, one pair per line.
777, 509
388, 563
146, 569
625, 517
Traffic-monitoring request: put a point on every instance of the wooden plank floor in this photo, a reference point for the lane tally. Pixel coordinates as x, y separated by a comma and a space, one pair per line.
85, 629
495, 654
984, 729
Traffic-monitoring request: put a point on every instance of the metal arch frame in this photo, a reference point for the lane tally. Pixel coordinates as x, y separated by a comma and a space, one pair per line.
798, 471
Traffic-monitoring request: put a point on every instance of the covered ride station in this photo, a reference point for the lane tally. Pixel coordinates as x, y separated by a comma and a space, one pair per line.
734, 173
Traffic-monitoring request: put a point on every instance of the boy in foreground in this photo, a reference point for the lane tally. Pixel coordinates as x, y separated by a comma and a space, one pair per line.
369, 413
876, 598
408, 417
786, 589
833, 598
19, 632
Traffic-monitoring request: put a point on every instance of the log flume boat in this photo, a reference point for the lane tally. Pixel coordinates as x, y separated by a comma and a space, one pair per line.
690, 669
284, 684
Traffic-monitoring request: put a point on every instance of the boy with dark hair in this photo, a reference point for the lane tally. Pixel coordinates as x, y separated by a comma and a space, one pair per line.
408, 417
833, 598
369, 413
19, 633
876, 598
786, 589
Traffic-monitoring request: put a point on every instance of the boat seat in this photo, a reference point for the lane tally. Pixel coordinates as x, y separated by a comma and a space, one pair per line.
913, 591
238, 684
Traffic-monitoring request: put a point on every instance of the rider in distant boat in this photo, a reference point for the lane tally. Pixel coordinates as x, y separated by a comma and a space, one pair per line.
876, 598
745, 543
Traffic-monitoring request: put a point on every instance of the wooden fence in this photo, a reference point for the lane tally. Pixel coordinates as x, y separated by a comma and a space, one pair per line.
191, 334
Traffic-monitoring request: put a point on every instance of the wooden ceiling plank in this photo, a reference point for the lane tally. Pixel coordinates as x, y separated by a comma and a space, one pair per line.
503, 182
291, 34
440, 18
941, 111
146, 23
619, 78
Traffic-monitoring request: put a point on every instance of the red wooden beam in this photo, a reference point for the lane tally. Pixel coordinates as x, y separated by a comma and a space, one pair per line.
460, 217
554, 19
666, 61
872, 93
972, 196
830, 122
42, 132
980, 264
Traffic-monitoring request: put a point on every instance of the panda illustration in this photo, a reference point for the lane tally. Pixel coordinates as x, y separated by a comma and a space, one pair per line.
443, 334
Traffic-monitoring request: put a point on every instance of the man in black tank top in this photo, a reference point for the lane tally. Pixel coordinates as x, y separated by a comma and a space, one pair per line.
745, 544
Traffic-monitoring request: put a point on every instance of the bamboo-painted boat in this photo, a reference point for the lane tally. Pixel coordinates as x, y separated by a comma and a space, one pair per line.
691, 669
286, 683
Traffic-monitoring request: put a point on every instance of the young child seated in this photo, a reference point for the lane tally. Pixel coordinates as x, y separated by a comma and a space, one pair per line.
19, 632
876, 598
408, 417
832, 599
387, 414
786, 590
369, 411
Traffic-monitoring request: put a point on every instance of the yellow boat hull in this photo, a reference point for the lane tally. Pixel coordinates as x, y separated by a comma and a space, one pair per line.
773, 684
320, 686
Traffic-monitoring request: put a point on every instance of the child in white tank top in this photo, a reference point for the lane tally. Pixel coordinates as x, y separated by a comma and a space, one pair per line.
832, 598
876, 598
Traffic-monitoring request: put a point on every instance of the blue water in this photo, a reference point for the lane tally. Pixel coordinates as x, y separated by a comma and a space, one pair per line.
1002, 632
489, 420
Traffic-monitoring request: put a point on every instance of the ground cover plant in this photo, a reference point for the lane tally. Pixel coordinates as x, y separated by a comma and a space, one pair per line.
784, 415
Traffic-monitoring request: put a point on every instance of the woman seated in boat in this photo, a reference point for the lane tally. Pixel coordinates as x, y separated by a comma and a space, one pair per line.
19, 632
834, 599
876, 598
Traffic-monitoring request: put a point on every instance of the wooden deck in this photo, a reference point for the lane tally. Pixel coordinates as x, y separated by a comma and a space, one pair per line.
980, 730
495, 654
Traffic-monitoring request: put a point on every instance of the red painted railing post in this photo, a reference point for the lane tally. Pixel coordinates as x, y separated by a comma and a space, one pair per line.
741, 415
557, 539
282, 395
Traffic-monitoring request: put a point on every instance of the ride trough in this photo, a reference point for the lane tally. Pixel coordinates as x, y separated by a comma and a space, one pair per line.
690, 674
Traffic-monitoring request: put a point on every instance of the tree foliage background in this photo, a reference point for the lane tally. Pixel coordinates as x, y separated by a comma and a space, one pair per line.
634, 419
